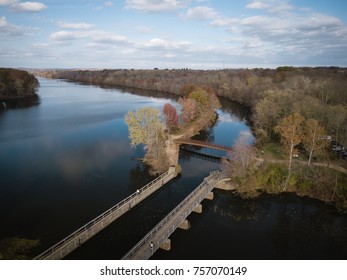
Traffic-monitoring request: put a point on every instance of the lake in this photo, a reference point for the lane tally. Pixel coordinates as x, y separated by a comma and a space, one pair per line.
65, 158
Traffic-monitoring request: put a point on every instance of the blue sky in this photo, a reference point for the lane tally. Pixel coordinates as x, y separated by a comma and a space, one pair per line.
197, 34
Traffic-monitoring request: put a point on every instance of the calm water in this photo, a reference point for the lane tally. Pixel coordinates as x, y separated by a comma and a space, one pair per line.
65, 158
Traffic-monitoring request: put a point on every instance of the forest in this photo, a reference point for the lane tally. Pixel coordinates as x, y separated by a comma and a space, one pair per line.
17, 84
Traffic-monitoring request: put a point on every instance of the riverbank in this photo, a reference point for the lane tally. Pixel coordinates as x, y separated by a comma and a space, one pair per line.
327, 183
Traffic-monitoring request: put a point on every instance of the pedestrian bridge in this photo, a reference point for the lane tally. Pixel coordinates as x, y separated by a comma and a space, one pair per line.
204, 144
158, 237
84, 233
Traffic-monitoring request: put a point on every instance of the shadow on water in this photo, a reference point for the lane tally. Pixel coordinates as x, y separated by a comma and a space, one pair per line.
130, 90
267, 227
242, 113
20, 103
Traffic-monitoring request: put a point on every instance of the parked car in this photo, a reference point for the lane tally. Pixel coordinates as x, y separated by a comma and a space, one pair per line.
338, 148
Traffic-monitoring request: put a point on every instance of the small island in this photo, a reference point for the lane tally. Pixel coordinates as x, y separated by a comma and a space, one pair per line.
198, 112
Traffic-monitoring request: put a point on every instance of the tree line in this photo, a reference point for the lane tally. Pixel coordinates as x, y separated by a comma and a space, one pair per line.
17, 84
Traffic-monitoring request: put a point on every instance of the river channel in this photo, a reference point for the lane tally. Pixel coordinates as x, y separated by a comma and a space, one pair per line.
65, 158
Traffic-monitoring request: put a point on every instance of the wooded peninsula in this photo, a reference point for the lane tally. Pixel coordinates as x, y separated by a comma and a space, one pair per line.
15, 84
298, 118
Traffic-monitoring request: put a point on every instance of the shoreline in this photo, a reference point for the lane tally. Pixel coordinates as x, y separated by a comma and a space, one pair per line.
14, 98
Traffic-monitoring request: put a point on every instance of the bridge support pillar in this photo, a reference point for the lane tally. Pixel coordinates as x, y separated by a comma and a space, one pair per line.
166, 245
198, 209
185, 225
209, 196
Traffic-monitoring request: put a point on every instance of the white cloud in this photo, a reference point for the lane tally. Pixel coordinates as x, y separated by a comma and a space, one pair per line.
155, 5
224, 22
300, 35
10, 29
67, 35
107, 4
109, 38
7, 2
257, 5
272, 6
254, 42
3, 22
158, 43
143, 29
95, 36
79, 25
28, 7
168, 55
268, 33
202, 12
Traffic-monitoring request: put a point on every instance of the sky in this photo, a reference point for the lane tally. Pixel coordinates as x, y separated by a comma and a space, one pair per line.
195, 34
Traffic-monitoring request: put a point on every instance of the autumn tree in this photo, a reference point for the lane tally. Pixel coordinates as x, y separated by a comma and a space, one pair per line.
187, 88
171, 116
145, 127
206, 104
290, 131
314, 139
188, 110
275, 105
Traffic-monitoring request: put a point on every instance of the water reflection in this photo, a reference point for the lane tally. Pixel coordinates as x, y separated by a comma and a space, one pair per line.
139, 176
93, 160
130, 90
267, 227
20, 103
241, 113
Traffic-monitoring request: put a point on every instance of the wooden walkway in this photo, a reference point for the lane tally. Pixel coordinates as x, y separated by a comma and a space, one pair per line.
203, 156
84, 233
146, 247
203, 144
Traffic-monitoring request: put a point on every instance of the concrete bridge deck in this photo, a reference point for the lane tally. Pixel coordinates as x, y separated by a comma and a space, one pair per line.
158, 236
84, 233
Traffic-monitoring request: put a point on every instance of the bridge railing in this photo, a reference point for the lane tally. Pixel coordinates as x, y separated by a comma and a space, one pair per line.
142, 191
203, 144
174, 218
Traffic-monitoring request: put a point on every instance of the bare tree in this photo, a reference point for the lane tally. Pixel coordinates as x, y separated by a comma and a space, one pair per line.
336, 117
241, 159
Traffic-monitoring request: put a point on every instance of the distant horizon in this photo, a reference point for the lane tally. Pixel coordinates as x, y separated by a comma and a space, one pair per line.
168, 69
173, 34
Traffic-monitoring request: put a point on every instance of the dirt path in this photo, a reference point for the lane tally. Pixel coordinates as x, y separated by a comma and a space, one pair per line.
323, 164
